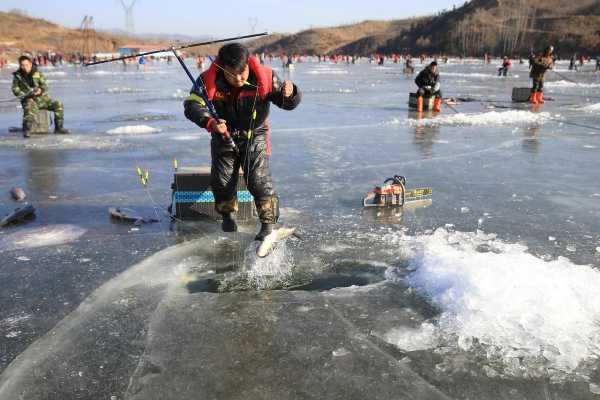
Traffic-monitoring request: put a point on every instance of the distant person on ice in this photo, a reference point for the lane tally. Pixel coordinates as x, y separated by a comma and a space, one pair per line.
506, 65
31, 88
241, 91
539, 67
409, 68
428, 82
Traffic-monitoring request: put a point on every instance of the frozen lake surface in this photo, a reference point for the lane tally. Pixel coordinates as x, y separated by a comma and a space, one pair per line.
490, 292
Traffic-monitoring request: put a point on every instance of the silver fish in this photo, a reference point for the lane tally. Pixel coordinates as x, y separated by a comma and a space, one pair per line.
128, 215
270, 241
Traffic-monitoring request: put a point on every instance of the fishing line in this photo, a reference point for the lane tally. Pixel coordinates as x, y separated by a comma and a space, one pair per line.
564, 77
451, 107
568, 122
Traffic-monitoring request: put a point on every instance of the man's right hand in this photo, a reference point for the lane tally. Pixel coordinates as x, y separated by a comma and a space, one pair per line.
220, 128
37, 91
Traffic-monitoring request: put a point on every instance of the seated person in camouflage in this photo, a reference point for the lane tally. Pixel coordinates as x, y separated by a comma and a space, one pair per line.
30, 86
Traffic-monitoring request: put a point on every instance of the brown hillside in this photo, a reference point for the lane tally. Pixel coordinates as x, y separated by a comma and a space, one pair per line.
329, 40
507, 27
478, 27
22, 33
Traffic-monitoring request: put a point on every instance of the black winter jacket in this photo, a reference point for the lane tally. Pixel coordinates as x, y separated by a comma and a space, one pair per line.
427, 78
236, 106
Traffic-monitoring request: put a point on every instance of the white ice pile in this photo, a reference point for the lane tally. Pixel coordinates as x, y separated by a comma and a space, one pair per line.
567, 84
472, 75
486, 118
591, 108
481, 119
132, 129
120, 89
55, 73
498, 295
327, 71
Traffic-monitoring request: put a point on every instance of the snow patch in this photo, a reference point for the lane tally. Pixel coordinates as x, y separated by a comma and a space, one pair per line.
132, 129
52, 235
471, 75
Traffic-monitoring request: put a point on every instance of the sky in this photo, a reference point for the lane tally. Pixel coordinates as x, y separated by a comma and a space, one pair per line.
229, 17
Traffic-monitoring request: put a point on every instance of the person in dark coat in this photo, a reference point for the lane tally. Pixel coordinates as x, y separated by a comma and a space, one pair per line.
241, 90
428, 82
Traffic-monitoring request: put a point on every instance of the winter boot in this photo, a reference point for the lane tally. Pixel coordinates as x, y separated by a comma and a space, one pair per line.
420, 104
27, 128
228, 224
437, 104
59, 128
533, 98
265, 230
540, 97
268, 214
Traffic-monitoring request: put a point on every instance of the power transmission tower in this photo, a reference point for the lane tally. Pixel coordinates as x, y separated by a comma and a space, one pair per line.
88, 36
253, 21
129, 25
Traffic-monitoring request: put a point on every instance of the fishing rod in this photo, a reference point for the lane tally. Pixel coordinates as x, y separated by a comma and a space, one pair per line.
186, 46
200, 89
198, 84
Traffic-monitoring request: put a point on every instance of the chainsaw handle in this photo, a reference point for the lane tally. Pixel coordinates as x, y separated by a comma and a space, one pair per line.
396, 179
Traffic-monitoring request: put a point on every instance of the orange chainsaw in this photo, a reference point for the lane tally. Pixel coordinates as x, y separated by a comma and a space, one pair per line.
393, 193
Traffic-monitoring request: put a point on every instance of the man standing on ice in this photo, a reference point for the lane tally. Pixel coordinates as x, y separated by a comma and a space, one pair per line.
428, 82
539, 67
241, 91
31, 88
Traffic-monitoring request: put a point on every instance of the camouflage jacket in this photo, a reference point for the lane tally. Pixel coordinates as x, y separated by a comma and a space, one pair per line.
540, 66
23, 85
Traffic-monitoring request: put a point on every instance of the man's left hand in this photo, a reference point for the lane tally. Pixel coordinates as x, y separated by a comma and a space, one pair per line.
287, 89
37, 91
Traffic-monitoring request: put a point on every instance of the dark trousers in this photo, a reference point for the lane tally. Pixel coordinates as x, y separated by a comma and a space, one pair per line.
428, 93
253, 160
538, 86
